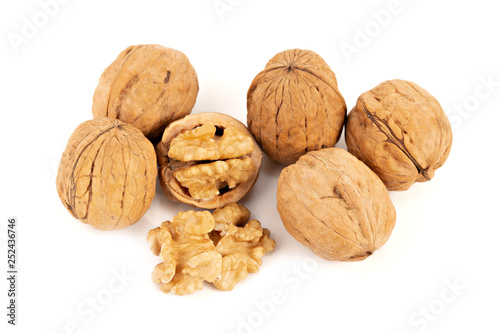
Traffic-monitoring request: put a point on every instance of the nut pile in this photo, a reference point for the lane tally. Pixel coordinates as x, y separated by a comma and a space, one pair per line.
333, 201
329, 200
107, 174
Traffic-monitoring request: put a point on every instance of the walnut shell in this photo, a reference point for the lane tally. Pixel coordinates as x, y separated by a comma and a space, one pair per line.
401, 132
335, 205
107, 174
294, 106
147, 86
207, 160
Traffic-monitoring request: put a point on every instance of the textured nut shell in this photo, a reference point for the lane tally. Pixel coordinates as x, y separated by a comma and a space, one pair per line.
169, 183
335, 205
147, 86
294, 106
107, 174
401, 132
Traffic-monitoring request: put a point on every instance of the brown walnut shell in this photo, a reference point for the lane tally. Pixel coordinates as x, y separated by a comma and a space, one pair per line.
147, 86
294, 106
226, 164
335, 205
401, 132
107, 174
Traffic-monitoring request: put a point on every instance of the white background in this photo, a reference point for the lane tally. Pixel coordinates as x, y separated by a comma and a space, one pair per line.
446, 232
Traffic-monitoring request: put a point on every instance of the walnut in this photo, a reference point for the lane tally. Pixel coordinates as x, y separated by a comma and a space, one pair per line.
294, 106
187, 251
107, 174
401, 132
199, 144
335, 205
241, 244
207, 160
205, 180
231, 214
197, 246
147, 86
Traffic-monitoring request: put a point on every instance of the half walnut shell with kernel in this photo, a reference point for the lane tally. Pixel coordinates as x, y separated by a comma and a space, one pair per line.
207, 160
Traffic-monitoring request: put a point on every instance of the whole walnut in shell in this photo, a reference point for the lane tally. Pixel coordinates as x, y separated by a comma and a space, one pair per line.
335, 205
207, 160
294, 106
147, 86
401, 132
107, 174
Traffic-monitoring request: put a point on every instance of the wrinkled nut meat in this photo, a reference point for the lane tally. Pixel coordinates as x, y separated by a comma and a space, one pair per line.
401, 132
221, 248
294, 106
207, 160
335, 205
148, 86
107, 174
241, 244
187, 251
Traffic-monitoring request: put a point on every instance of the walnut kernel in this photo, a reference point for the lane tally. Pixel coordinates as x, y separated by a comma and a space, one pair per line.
241, 247
221, 248
205, 180
187, 252
202, 143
